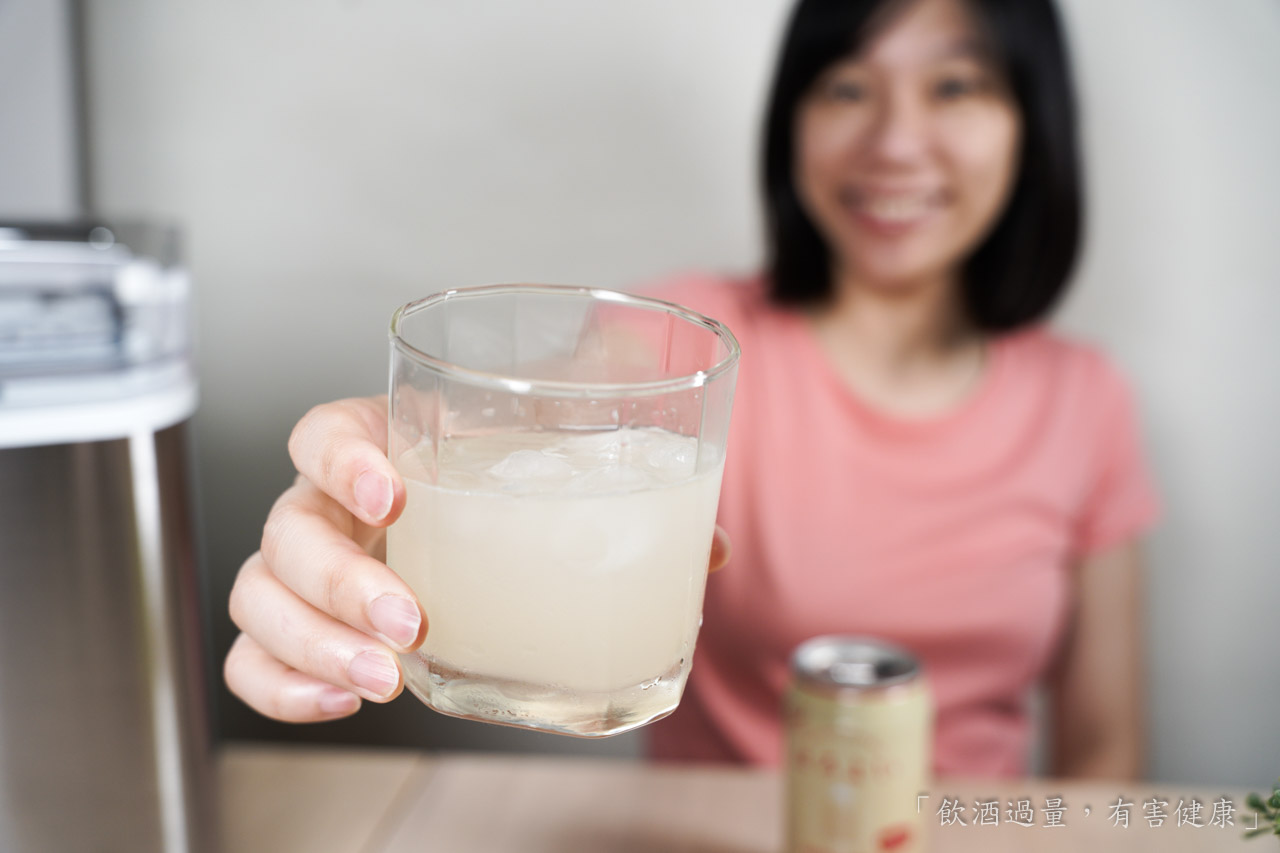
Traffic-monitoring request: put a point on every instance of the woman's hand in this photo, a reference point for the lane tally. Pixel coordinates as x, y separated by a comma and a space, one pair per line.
321, 616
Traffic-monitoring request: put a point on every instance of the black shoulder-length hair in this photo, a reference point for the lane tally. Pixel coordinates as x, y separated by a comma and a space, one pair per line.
1016, 276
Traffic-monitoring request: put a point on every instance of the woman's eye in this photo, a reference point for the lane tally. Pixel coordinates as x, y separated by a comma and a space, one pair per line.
844, 90
957, 87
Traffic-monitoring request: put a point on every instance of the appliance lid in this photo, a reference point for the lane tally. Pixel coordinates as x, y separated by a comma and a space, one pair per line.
95, 332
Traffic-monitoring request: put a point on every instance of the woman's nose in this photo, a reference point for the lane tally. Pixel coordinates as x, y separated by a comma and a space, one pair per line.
899, 132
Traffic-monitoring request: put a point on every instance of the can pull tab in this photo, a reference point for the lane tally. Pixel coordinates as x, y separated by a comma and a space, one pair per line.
859, 673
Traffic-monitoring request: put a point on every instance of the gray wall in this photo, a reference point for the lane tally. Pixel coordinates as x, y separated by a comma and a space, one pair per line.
1181, 281
331, 160
39, 157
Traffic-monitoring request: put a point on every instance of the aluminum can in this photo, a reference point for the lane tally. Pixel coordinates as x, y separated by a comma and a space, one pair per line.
859, 721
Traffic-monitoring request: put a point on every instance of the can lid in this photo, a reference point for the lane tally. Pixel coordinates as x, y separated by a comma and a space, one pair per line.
853, 662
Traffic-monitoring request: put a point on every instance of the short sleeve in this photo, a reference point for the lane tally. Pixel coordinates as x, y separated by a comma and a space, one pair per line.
1122, 502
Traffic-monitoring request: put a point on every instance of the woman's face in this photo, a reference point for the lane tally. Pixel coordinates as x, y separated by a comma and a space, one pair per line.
907, 152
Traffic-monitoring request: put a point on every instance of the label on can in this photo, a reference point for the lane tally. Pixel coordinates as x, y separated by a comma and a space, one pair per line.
859, 735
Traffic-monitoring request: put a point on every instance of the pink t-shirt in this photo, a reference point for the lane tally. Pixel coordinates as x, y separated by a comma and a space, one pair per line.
954, 536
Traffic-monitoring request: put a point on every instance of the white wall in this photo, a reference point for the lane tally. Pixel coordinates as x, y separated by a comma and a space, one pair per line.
331, 159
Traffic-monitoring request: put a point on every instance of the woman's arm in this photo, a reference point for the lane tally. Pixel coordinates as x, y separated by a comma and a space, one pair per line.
1097, 688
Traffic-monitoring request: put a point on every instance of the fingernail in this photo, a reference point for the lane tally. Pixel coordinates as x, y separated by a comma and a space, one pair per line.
335, 700
396, 618
374, 672
374, 494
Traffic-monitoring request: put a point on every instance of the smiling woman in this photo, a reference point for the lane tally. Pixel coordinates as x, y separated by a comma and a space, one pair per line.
941, 472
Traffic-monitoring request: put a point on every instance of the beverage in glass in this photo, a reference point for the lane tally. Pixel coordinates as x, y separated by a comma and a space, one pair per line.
562, 450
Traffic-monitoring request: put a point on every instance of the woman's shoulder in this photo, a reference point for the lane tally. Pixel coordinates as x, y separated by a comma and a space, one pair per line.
1073, 368
1098, 429
733, 300
1043, 348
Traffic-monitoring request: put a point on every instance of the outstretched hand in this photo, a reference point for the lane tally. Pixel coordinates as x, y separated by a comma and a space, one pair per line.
321, 615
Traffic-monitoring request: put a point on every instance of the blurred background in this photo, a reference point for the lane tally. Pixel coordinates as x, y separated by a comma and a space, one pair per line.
328, 160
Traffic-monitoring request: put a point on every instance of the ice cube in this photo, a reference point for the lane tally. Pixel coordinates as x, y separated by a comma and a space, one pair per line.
532, 468
594, 449
613, 479
673, 458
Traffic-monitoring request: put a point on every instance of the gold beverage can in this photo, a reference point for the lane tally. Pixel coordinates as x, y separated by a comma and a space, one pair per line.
859, 722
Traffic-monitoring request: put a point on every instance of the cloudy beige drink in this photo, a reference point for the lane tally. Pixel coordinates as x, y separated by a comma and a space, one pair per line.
562, 574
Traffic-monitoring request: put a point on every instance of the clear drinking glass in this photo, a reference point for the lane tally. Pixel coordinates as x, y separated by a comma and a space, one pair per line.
562, 449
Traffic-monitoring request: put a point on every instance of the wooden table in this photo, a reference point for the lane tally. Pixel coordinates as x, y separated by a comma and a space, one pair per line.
325, 800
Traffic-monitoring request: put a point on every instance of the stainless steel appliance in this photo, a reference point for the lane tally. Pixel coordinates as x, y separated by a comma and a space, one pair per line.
104, 733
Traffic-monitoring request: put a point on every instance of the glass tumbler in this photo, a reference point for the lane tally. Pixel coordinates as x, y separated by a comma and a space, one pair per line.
562, 449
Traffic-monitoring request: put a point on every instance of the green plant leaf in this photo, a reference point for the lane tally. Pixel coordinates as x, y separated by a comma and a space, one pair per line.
1268, 812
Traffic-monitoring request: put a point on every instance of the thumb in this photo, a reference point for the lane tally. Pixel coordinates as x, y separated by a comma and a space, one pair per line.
720, 550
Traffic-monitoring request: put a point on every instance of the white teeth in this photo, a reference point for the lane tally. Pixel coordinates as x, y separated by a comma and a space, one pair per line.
897, 208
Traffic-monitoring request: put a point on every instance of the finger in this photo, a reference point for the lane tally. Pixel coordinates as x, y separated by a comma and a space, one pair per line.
301, 637
342, 448
720, 550
280, 692
308, 552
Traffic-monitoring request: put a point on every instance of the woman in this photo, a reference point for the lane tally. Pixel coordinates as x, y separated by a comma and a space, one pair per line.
910, 456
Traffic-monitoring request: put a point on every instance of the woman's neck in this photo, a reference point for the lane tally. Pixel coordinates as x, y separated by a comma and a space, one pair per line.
907, 350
